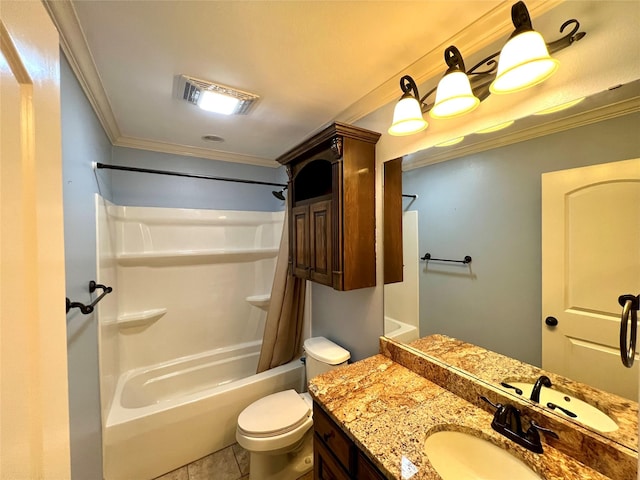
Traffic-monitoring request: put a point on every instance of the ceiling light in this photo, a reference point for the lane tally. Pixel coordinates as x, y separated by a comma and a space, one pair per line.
217, 102
558, 108
497, 127
448, 143
214, 97
460, 91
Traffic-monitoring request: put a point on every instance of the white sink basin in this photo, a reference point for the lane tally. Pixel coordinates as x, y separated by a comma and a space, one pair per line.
586, 414
460, 456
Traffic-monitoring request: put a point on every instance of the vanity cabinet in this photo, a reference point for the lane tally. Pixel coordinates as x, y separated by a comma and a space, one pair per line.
335, 456
331, 204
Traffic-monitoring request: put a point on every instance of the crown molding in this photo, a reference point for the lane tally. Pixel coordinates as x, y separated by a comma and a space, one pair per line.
74, 45
490, 28
175, 149
595, 115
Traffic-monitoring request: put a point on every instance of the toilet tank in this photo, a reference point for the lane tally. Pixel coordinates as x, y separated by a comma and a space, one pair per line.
323, 355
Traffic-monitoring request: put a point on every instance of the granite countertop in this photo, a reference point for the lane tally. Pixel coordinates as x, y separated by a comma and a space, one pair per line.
494, 368
388, 411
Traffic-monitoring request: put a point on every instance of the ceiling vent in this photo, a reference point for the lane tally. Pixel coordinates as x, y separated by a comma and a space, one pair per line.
215, 97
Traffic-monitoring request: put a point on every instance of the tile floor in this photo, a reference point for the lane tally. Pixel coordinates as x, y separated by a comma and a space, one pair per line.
231, 463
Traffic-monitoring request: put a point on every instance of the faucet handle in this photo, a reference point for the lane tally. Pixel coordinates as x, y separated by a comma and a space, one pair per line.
534, 428
497, 407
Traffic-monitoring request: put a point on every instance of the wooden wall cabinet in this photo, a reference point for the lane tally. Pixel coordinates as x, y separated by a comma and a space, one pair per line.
335, 456
392, 204
331, 203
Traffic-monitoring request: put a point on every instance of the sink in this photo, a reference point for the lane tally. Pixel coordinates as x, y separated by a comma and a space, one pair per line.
584, 413
461, 456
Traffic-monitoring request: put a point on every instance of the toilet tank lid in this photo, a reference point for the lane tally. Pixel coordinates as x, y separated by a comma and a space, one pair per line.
325, 350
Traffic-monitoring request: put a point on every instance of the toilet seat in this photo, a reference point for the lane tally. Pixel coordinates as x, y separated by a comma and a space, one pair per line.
274, 415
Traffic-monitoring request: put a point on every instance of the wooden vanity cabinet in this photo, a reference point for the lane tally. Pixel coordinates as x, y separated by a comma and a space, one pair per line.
331, 203
335, 456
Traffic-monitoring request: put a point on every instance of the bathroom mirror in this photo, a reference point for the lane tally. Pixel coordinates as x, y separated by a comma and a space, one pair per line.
487, 206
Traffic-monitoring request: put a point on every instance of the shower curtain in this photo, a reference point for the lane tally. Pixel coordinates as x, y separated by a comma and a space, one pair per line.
283, 328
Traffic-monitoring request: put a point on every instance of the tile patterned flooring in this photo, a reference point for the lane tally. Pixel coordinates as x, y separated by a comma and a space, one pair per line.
231, 463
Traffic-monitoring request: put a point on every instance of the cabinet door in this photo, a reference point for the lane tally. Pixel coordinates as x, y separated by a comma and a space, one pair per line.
320, 242
325, 466
366, 471
300, 241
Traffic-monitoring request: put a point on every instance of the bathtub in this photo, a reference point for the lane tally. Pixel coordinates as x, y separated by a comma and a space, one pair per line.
168, 415
400, 331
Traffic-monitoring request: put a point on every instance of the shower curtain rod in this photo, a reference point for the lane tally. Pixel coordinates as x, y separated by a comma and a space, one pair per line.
180, 174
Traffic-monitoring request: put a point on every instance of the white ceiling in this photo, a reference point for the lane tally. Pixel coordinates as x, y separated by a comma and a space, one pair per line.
311, 63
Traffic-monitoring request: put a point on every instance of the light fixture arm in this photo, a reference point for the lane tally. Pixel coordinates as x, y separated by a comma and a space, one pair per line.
520, 18
569, 38
409, 87
453, 59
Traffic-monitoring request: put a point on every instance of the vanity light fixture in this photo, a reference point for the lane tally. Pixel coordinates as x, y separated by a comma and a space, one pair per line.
524, 60
520, 66
214, 97
407, 116
453, 94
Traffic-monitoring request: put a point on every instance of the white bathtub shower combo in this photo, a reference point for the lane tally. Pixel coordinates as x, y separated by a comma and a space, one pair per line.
180, 335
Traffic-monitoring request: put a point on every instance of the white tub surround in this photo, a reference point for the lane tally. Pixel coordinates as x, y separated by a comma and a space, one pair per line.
181, 331
401, 300
400, 331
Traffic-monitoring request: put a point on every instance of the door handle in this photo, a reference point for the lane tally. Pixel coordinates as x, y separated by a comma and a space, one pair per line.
551, 321
630, 305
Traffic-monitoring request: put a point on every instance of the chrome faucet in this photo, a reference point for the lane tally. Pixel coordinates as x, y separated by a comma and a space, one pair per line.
507, 422
543, 380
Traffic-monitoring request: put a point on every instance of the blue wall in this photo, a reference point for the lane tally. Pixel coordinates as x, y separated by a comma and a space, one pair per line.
150, 190
83, 142
488, 206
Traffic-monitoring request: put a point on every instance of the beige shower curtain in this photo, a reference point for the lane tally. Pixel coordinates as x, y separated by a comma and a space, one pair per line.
283, 329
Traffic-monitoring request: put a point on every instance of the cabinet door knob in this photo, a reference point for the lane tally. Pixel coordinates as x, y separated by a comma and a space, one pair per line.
551, 321
327, 436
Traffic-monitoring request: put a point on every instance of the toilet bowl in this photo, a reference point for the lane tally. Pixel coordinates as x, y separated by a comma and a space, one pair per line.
276, 429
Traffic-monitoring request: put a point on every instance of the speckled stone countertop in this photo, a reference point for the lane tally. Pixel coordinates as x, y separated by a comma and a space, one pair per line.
494, 368
389, 411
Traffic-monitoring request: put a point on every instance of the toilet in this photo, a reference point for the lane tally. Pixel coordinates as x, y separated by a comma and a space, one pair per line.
277, 430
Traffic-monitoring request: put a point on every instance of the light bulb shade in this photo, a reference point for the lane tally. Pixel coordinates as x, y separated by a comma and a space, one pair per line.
407, 117
524, 62
454, 96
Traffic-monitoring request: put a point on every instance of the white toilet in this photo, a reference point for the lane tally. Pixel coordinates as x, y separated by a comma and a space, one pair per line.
276, 429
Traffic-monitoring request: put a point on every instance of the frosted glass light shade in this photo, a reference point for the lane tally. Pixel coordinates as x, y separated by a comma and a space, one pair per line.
407, 117
454, 96
524, 62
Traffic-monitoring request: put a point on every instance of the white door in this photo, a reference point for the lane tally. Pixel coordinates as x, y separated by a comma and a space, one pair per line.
34, 420
590, 256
